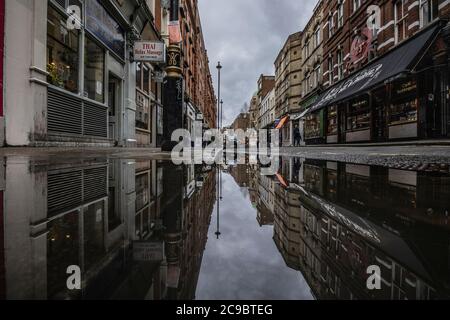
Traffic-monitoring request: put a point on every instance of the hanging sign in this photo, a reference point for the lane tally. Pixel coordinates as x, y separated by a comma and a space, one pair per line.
149, 51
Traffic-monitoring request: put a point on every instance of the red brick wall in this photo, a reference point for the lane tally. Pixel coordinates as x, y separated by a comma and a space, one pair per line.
355, 21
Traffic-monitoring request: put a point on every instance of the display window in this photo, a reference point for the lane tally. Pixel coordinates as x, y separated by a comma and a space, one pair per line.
312, 126
62, 52
332, 128
404, 107
358, 115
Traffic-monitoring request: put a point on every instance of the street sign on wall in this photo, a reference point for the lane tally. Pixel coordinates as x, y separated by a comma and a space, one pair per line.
150, 51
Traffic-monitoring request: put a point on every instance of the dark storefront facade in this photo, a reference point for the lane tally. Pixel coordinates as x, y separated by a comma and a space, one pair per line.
399, 96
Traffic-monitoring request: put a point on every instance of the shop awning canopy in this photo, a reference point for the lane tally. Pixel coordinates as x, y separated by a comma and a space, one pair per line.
400, 60
282, 123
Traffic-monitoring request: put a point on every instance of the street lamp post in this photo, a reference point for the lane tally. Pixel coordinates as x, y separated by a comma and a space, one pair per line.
219, 68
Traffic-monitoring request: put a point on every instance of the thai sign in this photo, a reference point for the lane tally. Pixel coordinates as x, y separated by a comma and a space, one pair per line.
150, 51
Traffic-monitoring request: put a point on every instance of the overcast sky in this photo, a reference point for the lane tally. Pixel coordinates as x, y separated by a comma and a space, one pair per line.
246, 36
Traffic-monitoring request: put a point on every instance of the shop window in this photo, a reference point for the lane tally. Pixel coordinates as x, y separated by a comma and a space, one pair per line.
94, 71
62, 52
332, 128
358, 115
142, 111
143, 103
404, 105
312, 126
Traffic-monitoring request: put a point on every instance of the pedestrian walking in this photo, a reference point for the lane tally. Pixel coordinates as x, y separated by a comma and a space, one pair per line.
297, 137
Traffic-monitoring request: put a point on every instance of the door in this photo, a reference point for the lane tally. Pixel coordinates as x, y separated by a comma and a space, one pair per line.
114, 99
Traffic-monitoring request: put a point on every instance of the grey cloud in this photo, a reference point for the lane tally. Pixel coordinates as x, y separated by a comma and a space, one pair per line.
246, 36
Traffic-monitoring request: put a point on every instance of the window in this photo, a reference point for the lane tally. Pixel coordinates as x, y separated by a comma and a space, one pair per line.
143, 104
62, 53
312, 126
429, 10
317, 36
404, 105
330, 26
332, 128
94, 71
340, 57
330, 70
358, 115
317, 73
400, 20
340, 14
356, 5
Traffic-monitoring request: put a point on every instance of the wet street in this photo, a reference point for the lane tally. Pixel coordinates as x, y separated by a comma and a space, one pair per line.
111, 227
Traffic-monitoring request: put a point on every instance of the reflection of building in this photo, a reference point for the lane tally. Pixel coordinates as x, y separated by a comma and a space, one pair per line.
344, 218
111, 219
241, 175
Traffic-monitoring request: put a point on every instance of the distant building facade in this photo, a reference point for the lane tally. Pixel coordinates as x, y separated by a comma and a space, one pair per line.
288, 84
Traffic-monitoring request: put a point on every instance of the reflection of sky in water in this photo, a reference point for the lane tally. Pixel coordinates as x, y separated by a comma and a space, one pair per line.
245, 263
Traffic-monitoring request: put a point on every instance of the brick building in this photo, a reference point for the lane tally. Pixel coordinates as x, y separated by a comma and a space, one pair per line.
385, 70
242, 121
288, 84
199, 90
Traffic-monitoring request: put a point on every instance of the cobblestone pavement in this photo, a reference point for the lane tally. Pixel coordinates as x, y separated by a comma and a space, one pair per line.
432, 158
411, 157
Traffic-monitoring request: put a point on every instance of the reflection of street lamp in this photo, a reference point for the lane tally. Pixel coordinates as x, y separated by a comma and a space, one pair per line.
221, 114
219, 68
221, 128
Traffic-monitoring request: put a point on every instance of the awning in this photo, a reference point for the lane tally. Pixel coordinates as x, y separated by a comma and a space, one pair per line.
402, 59
281, 180
282, 123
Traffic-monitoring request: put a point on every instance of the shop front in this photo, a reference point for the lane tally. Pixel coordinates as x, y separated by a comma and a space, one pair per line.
82, 66
394, 97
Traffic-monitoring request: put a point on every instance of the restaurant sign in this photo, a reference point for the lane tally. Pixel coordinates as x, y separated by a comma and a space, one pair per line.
150, 51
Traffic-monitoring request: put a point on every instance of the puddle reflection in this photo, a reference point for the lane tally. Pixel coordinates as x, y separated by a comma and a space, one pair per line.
147, 229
